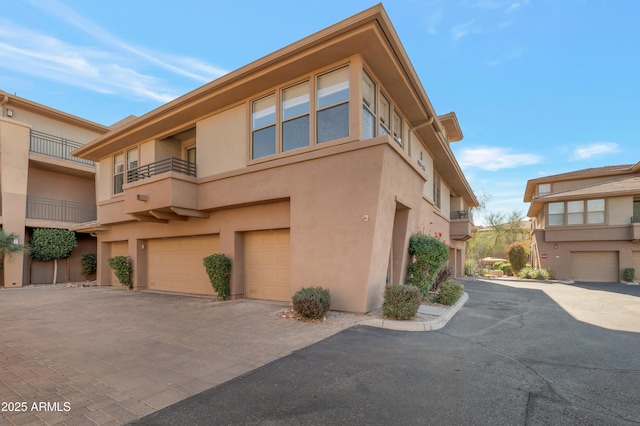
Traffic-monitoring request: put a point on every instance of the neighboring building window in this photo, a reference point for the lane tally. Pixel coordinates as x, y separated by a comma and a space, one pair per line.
544, 188
295, 116
436, 189
595, 211
385, 115
118, 173
132, 165
368, 107
263, 126
397, 128
575, 212
556, 214
332, 102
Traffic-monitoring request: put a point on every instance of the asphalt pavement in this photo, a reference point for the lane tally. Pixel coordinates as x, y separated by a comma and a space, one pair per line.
513, 355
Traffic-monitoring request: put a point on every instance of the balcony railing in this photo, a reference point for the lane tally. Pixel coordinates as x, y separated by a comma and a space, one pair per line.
635, 219
461, 214
60, 210
55, 146
171, 164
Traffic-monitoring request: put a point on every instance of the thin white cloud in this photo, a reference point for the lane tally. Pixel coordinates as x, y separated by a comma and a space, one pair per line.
460, 30
495, 158
46, 57
508, 56
188, 67
599, 148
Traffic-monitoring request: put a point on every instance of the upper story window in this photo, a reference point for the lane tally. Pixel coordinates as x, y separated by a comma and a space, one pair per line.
397, 128
281, 121
579, 212
295, 116
544, 188
191, 154
263, 125
118, 173
368, 107
436, 189
385, 115
332, 99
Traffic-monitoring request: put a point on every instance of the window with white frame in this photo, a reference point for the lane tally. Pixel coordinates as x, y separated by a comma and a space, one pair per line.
124, 163
332, 105
397, 128
577, 212
368, 107
385, 115
263, 126
118, 173
544, 188
295, 116
436, 189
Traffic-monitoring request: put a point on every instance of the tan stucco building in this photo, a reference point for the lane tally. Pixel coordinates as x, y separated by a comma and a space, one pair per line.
42, 185
309, 167
586, 224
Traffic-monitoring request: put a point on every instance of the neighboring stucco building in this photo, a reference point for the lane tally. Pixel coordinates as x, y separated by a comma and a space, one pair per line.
586, 224
309, 167
42, 185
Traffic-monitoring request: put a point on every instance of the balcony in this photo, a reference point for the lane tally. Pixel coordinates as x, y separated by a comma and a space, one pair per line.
59, 210
161, 191
55, 146
635, 228
461, 225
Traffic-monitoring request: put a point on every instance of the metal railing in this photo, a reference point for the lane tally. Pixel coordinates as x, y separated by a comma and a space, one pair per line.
61, 210
461, 214
55, 146
635, 219
171, 164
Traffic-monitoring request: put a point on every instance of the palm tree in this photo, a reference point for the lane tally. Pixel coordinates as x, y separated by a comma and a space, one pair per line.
8, 245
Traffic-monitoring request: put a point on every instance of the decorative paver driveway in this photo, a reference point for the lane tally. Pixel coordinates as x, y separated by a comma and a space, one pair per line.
108, 356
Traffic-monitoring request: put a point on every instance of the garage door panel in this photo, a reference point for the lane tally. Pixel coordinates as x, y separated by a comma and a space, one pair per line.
175, 264
118, 248
267, 260
636, 264
601, 266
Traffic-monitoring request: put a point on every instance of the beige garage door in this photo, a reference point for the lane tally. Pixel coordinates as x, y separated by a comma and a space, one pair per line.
594, 266
118, 248
267, 265
175, 264
636, 263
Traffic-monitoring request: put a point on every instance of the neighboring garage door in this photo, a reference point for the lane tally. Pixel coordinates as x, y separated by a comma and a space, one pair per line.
175, 264
636, 264
594, 266
118, 248
267, 265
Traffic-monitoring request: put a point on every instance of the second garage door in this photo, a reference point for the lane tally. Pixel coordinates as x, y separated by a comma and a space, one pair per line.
636, 263
175, 264
267, 265
594, 266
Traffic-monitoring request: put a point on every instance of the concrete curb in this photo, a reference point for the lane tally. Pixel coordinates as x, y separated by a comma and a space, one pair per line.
432, 325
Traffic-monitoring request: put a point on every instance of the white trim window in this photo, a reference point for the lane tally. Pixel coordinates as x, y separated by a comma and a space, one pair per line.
368, 107
397, 128
118, 173
385, 115
263, 126
578, 212
332, 105
556, 214
295, 116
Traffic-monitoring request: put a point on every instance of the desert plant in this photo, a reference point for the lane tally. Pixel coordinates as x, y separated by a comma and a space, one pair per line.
121, 266
449, 293
431, 254
470, 267
218, 267
506, 268
517, 255
498, 266
52, 244
540, 274
8, 246
401, 302
312, 302
89, 264
629, 274
526, 272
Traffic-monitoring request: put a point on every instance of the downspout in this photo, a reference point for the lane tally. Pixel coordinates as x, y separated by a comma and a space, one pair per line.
3, 102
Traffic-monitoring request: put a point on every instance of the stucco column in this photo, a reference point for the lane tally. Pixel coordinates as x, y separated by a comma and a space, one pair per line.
14, 167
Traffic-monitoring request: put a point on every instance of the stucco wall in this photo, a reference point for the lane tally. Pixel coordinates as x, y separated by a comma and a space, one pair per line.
221, 141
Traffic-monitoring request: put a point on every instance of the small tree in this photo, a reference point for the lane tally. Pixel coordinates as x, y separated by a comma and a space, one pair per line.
431, 254
517, 255
52, 244
89, 264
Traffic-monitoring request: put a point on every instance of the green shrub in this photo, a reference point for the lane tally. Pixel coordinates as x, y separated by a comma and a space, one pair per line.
218, 267
506, 268
541, 274
449, 293
470, 267
526, 272
445, 273
517, 255
431, 254
89, 264
629, 274
401, 302
121, 266
312, 302
498, 266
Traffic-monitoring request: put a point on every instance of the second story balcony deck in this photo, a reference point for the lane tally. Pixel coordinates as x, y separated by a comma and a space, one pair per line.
461, 226
50, 209
55, 146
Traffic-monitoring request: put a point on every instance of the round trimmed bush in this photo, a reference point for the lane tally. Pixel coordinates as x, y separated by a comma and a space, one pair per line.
449, 293
312, 302
401, 302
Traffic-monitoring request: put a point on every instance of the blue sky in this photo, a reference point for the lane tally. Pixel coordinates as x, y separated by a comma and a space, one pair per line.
540, 87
